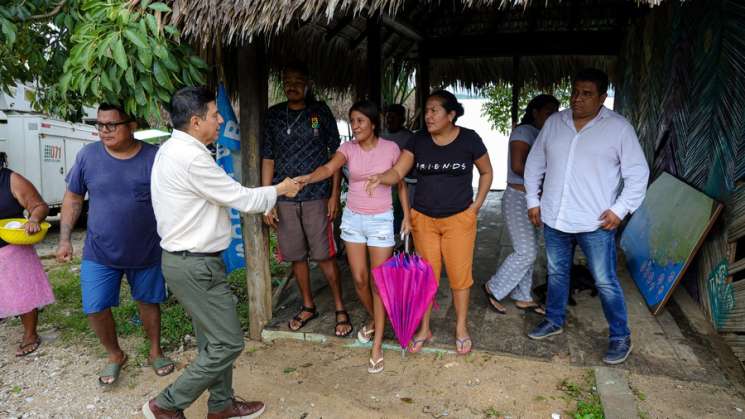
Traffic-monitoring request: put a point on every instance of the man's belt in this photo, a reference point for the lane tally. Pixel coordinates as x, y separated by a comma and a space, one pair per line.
196, 254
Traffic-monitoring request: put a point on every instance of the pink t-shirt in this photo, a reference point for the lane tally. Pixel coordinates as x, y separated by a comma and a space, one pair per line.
362, 164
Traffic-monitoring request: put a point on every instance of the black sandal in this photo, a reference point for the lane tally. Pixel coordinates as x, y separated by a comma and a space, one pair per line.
303, 321
343, 323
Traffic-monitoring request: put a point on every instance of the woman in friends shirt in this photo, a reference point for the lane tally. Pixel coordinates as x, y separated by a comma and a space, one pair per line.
367, 222
515, 276
444, 213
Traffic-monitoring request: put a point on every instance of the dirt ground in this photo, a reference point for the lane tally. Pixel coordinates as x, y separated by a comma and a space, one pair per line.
305, 380
309, 380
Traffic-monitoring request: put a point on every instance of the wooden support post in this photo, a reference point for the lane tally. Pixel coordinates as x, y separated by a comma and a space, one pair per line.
516, 81
375, 60
253, 93
422, 87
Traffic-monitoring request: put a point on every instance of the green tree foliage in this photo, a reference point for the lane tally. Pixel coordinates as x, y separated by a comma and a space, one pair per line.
397, 83
80, 52
498, 106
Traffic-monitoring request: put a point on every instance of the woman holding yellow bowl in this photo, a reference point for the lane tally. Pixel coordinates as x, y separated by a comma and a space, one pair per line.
24, 286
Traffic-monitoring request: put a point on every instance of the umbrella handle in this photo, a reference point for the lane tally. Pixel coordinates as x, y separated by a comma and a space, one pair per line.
407, 246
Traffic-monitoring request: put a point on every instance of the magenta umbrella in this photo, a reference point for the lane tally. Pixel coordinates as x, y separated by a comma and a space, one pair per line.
407, 286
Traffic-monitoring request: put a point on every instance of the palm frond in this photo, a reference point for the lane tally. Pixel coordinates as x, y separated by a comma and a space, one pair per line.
716, 122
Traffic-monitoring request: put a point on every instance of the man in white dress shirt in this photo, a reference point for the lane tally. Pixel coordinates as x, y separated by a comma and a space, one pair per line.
573, 187
191, 196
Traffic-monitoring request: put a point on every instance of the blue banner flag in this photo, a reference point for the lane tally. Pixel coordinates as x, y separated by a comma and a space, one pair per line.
227, 142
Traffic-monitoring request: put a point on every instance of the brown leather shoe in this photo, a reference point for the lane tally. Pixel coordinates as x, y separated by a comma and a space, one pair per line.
153, 411
239, 410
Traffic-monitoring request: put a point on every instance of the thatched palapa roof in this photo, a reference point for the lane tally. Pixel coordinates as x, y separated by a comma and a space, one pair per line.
466, 41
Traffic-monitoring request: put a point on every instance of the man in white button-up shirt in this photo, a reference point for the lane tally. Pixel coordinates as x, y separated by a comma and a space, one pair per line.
191, 196
573, 186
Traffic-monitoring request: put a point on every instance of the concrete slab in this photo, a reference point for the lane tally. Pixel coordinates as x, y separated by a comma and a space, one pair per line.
660, 346
615, 394
693, 312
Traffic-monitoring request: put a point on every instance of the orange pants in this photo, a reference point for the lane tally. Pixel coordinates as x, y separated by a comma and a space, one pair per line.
451, 238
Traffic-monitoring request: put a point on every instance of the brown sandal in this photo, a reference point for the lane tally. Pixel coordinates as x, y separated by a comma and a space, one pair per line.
301, 320
535, 308
493, 300
28, 348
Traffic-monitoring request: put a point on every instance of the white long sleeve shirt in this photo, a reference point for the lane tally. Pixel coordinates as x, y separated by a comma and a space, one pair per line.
575, 176
191, 195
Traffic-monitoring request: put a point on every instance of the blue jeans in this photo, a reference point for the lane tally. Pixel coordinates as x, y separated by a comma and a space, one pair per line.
600, 248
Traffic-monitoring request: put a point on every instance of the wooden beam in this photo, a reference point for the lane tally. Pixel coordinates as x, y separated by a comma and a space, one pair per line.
401, 52
357, 41
422, 87
374, 61
402, 28
253, 97
737, 266
526, 44
516, 81
384, 42
573, 15
340, 25
532, 19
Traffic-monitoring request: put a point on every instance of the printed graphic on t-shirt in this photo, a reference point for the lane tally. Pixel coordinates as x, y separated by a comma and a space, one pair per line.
443, 168
315, 123
444, 173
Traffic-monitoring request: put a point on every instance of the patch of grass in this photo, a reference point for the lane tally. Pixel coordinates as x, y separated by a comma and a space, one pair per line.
67, 316
277, 269
492, 412
641, 397
585, 396
638, 393
174, 324
570, 389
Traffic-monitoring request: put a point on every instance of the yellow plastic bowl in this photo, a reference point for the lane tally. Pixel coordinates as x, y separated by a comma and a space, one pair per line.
18, 235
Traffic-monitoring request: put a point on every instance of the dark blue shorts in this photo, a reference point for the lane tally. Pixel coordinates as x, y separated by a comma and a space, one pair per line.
100, 285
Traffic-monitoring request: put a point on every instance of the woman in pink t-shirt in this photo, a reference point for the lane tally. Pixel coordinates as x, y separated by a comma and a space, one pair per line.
367, 222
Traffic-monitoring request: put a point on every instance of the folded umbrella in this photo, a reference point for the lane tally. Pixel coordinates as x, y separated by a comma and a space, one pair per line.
407, 286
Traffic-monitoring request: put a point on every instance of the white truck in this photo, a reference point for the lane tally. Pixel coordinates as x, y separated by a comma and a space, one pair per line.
43, 150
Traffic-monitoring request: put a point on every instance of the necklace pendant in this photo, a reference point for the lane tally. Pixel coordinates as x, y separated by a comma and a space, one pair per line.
289, 131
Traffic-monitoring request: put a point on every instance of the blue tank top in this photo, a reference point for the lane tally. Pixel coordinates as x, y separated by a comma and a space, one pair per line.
9, 205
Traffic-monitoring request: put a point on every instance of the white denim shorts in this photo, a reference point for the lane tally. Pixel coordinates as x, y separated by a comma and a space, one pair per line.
372, 229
